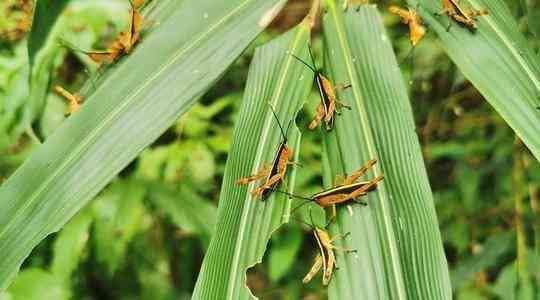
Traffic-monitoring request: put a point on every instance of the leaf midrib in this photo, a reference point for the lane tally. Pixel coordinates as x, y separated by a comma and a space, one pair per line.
115, 112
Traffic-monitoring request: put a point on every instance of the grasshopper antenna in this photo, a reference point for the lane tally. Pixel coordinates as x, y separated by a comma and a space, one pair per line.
279, 123
294, 196
305, 63
301, 204
311, 216
303, 222
69, 45
312, 57
288, 126
306, 200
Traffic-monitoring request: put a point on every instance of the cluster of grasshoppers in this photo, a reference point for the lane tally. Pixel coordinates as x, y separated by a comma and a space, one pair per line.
451, 8
122, 45
349, 190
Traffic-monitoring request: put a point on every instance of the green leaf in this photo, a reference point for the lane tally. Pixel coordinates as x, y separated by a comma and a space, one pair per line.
43, 51
284, 254
399, 248
497, 59
118, 213
46, 13
493, 248
506, 283
69, 245
130, 107
14, 88
36, 284
187, 209
245, 223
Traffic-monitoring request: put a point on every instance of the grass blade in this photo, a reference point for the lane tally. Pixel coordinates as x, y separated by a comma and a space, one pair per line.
46, 14
497, 59
69, 245
245, 224
400, 253
42, 52
132, 105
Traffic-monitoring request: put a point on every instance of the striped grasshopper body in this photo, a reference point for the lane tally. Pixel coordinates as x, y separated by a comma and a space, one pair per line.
349, 191
276, 173
329, 105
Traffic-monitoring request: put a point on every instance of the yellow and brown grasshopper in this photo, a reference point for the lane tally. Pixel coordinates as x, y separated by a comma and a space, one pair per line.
326, 258
460, 15
123, 44
329, 104
348, 191
276, 173
410, 17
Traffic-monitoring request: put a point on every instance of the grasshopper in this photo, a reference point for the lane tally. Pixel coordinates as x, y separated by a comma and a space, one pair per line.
276, 173
326, 258
329, 104
125, 41
458, 14
411, 18
348, 191
74, 100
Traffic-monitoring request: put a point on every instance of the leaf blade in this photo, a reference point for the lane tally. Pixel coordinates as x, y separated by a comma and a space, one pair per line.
498, 61
400, 254
117, 121
245, 223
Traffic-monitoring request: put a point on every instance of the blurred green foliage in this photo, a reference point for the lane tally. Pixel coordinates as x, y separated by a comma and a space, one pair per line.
145, 235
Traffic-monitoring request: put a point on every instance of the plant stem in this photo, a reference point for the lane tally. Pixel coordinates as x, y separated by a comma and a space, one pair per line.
518, 183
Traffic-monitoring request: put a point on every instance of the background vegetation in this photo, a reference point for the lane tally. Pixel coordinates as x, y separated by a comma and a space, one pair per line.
136, 241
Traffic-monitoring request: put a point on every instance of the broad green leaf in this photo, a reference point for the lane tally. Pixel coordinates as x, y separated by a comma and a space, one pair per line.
118, 213
189, 211
133, 103
284, 254
506, 283
489, 255
69, 245
245, 223
497, 59
36, 284
399, 248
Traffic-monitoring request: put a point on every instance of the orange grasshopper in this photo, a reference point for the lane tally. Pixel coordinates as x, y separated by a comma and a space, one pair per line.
411, 18
326, 258
348, 191
329, 104
276, 173
465, 17
74, 100
125, 41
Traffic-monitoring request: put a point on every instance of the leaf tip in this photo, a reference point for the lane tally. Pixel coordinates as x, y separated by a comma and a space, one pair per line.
313, 13
269, 15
